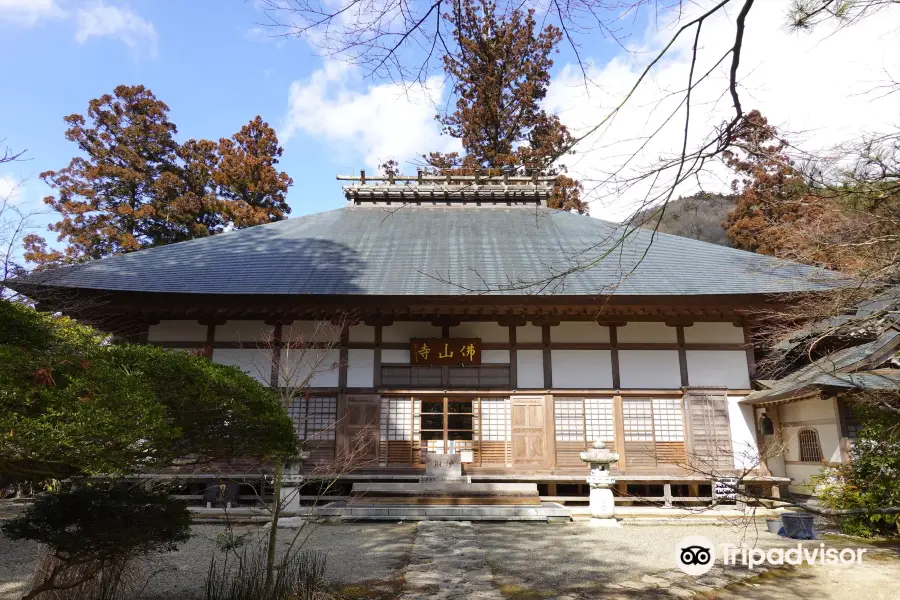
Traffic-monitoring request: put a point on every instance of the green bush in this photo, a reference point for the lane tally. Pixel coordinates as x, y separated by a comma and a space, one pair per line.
871, 480
93, 534
73, 403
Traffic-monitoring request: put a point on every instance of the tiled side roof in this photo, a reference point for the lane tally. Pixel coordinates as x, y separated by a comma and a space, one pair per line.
448, 250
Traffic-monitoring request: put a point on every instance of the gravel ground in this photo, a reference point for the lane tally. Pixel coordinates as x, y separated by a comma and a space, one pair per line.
528, 560
578, 558
354, 554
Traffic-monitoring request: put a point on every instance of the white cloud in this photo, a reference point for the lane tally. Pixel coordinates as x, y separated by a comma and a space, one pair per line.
29, 12
373, 124
103, 20
10, 190
813, 84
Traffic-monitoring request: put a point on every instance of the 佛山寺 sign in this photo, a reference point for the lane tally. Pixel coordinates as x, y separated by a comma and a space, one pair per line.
445, 351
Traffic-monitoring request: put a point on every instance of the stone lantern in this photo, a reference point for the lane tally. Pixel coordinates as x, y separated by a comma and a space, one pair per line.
603, 507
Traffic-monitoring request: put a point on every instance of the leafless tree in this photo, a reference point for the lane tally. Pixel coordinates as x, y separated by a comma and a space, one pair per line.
15, 222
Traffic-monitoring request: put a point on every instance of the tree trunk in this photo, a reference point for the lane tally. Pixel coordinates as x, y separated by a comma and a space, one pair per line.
273, 529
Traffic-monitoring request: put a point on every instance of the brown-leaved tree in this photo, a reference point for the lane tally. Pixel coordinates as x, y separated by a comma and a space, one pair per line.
501, 71
135, 187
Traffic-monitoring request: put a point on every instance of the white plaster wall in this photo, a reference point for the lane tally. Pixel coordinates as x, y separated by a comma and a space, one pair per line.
298, 364
360, 368
646, 331
362, 333
581, 369
529, 334
402, 331
579, 331
648, 369
718, 368
489, 332
311, 331
495, 357
530, 368
397, 357
177, 331
256, 363
244, 331
743, 434
713, 333
807, 410
801, 476
829, 440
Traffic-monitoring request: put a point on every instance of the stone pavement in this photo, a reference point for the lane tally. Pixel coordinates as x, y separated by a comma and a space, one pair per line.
447, 562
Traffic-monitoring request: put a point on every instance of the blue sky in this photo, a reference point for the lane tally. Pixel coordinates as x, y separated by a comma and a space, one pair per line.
209, 60
216, 69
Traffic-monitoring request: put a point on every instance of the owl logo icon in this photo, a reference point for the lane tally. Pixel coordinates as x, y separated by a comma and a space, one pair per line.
695, 555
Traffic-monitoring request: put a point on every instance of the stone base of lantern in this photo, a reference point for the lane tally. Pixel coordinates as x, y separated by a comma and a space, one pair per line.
604, 523
602, 504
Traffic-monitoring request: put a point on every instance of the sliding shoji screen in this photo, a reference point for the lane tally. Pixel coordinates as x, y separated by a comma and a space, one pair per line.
397, 431
578, 423
654, 431
314, 421
494, 432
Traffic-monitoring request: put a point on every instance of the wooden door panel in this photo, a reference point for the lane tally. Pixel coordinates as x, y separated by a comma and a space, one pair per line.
529, 447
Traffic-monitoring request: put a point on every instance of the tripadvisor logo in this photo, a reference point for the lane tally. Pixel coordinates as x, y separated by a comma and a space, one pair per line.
696, 555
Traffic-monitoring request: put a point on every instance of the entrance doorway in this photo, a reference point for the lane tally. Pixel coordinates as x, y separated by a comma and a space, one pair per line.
448, 424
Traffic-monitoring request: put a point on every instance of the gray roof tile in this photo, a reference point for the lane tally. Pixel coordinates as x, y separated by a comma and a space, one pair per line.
444, 250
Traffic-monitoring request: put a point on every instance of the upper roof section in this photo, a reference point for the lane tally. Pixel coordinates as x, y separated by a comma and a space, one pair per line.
443, 250
448, 190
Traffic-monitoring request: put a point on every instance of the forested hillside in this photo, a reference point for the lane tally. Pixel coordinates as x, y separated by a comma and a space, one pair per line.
699, 217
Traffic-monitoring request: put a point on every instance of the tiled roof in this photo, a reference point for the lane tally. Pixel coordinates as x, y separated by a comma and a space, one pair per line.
443, 250
850, 368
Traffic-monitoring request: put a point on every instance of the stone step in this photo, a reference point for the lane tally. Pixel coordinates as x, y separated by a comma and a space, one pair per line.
468, 490
546, 511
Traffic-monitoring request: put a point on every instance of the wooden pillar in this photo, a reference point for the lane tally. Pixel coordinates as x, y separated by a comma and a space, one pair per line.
275, 376
344, 357
376, 359
210, 340
751, 356
614, 357
548, 361
682, 357
513, 362
620, 432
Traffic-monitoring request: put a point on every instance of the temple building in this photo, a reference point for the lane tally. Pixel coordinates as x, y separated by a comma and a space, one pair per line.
461, 315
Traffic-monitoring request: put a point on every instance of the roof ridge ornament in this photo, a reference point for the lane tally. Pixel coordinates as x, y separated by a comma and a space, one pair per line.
449, 188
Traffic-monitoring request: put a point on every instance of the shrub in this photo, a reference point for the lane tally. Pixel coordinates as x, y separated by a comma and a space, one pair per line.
72, 403
94, 532
871, 480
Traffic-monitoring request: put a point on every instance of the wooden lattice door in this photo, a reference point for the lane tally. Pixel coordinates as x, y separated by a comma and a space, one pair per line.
359, 441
